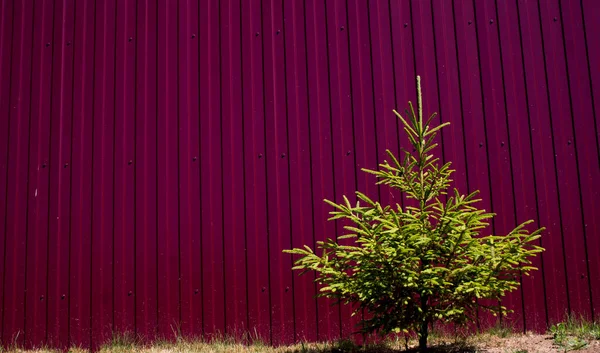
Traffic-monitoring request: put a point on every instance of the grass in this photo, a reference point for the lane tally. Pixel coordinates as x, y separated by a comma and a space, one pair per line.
569, 335
574, 333
230, 346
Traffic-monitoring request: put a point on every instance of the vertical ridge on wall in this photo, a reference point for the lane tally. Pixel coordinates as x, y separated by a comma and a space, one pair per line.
449, 91
15, 226
6, 77
588, 11
214, 290
102, 174
403, 52
146, 216
233, 172
168, 172
156, 157
542, 140
521, 150
124, 158
497, 133
566, 159
81, 187
259, 301
582, 111
277, 160
38, 200
322, 141
383, 82
300, 159
60, 178
190, 258
366, 145
473, 112
342, 132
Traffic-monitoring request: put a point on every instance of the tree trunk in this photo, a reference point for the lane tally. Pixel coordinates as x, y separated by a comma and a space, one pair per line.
424, 330
423, 333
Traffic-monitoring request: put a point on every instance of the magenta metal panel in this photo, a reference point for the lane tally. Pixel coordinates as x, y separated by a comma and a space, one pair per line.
384, 88
16, 211
60, 175
585, 127
212, 221
40, 162
321, 141
277, 165
103, 173
478, 177
424, 49
519, 143
366, 144
404, 63
496, 125
589, 11
190, 259
300, 160
342, 124
146, 158
157, 156
541, 139
81, 177
258, 294
569, 188
450, 90
234, 235
6, 59
124, 169
168, 172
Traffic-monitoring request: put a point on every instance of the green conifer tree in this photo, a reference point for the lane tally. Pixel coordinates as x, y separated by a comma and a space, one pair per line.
425, 262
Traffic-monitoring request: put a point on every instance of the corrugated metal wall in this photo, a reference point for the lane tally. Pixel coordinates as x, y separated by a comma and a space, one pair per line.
156, 156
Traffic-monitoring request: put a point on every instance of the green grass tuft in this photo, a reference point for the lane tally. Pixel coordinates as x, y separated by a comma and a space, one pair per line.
574, 333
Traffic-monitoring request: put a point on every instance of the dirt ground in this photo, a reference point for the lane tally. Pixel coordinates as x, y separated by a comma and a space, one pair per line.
527, 343
485, 343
